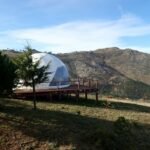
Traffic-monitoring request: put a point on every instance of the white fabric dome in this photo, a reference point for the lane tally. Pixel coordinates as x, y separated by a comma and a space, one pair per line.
58, 76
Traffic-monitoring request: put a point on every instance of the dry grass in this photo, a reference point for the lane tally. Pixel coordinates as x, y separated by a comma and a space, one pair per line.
65, 124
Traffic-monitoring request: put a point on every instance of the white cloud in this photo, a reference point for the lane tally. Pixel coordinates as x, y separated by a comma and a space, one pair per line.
82, 35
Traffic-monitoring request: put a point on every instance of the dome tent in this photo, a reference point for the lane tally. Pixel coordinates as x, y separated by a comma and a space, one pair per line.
58, 76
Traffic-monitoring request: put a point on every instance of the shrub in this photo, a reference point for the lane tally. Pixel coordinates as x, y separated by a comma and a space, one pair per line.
7, 74
121, 137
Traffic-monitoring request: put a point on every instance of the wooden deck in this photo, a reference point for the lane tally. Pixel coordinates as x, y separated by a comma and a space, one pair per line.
77, 87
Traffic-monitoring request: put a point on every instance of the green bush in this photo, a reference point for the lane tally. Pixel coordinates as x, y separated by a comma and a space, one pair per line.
7, 74
121, 137
122, 126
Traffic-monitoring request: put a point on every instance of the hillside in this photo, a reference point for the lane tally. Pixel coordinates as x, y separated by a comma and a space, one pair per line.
133, 64
126, 72
72, 125
109, 63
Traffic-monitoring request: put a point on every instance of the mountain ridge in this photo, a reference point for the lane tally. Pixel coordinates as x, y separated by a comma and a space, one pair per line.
105, 62
129, 63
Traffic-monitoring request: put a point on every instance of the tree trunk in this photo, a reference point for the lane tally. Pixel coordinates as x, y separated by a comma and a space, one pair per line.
34, 94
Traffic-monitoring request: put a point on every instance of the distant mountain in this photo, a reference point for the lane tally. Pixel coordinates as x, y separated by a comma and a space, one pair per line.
89, 65
113, 67
131, 63
109, 64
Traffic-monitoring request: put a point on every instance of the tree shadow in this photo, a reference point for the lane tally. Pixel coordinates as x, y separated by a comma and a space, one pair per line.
8, 101
100, 104
52, 126
130, 107
58, 127
92, 103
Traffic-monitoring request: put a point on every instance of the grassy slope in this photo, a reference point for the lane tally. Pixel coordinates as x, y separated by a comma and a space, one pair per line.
66, 125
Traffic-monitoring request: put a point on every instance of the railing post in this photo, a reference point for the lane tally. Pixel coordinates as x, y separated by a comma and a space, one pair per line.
50, 96
77, 95
96, 94
89, 83
83, 81
96, 84
86, 95
78, 83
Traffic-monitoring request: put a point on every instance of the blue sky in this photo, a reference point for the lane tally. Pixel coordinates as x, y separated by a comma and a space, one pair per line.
73, 25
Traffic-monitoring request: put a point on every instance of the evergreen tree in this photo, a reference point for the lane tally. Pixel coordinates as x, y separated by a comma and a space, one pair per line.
30, 72
7, 74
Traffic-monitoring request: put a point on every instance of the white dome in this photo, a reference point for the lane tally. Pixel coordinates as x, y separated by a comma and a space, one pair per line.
58, 76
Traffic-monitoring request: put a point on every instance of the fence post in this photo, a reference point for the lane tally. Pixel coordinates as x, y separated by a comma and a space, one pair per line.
86, 95
77, 95
96, 94
89, 83
96, 84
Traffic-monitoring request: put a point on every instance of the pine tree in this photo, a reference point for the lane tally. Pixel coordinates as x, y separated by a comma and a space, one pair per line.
30, 72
